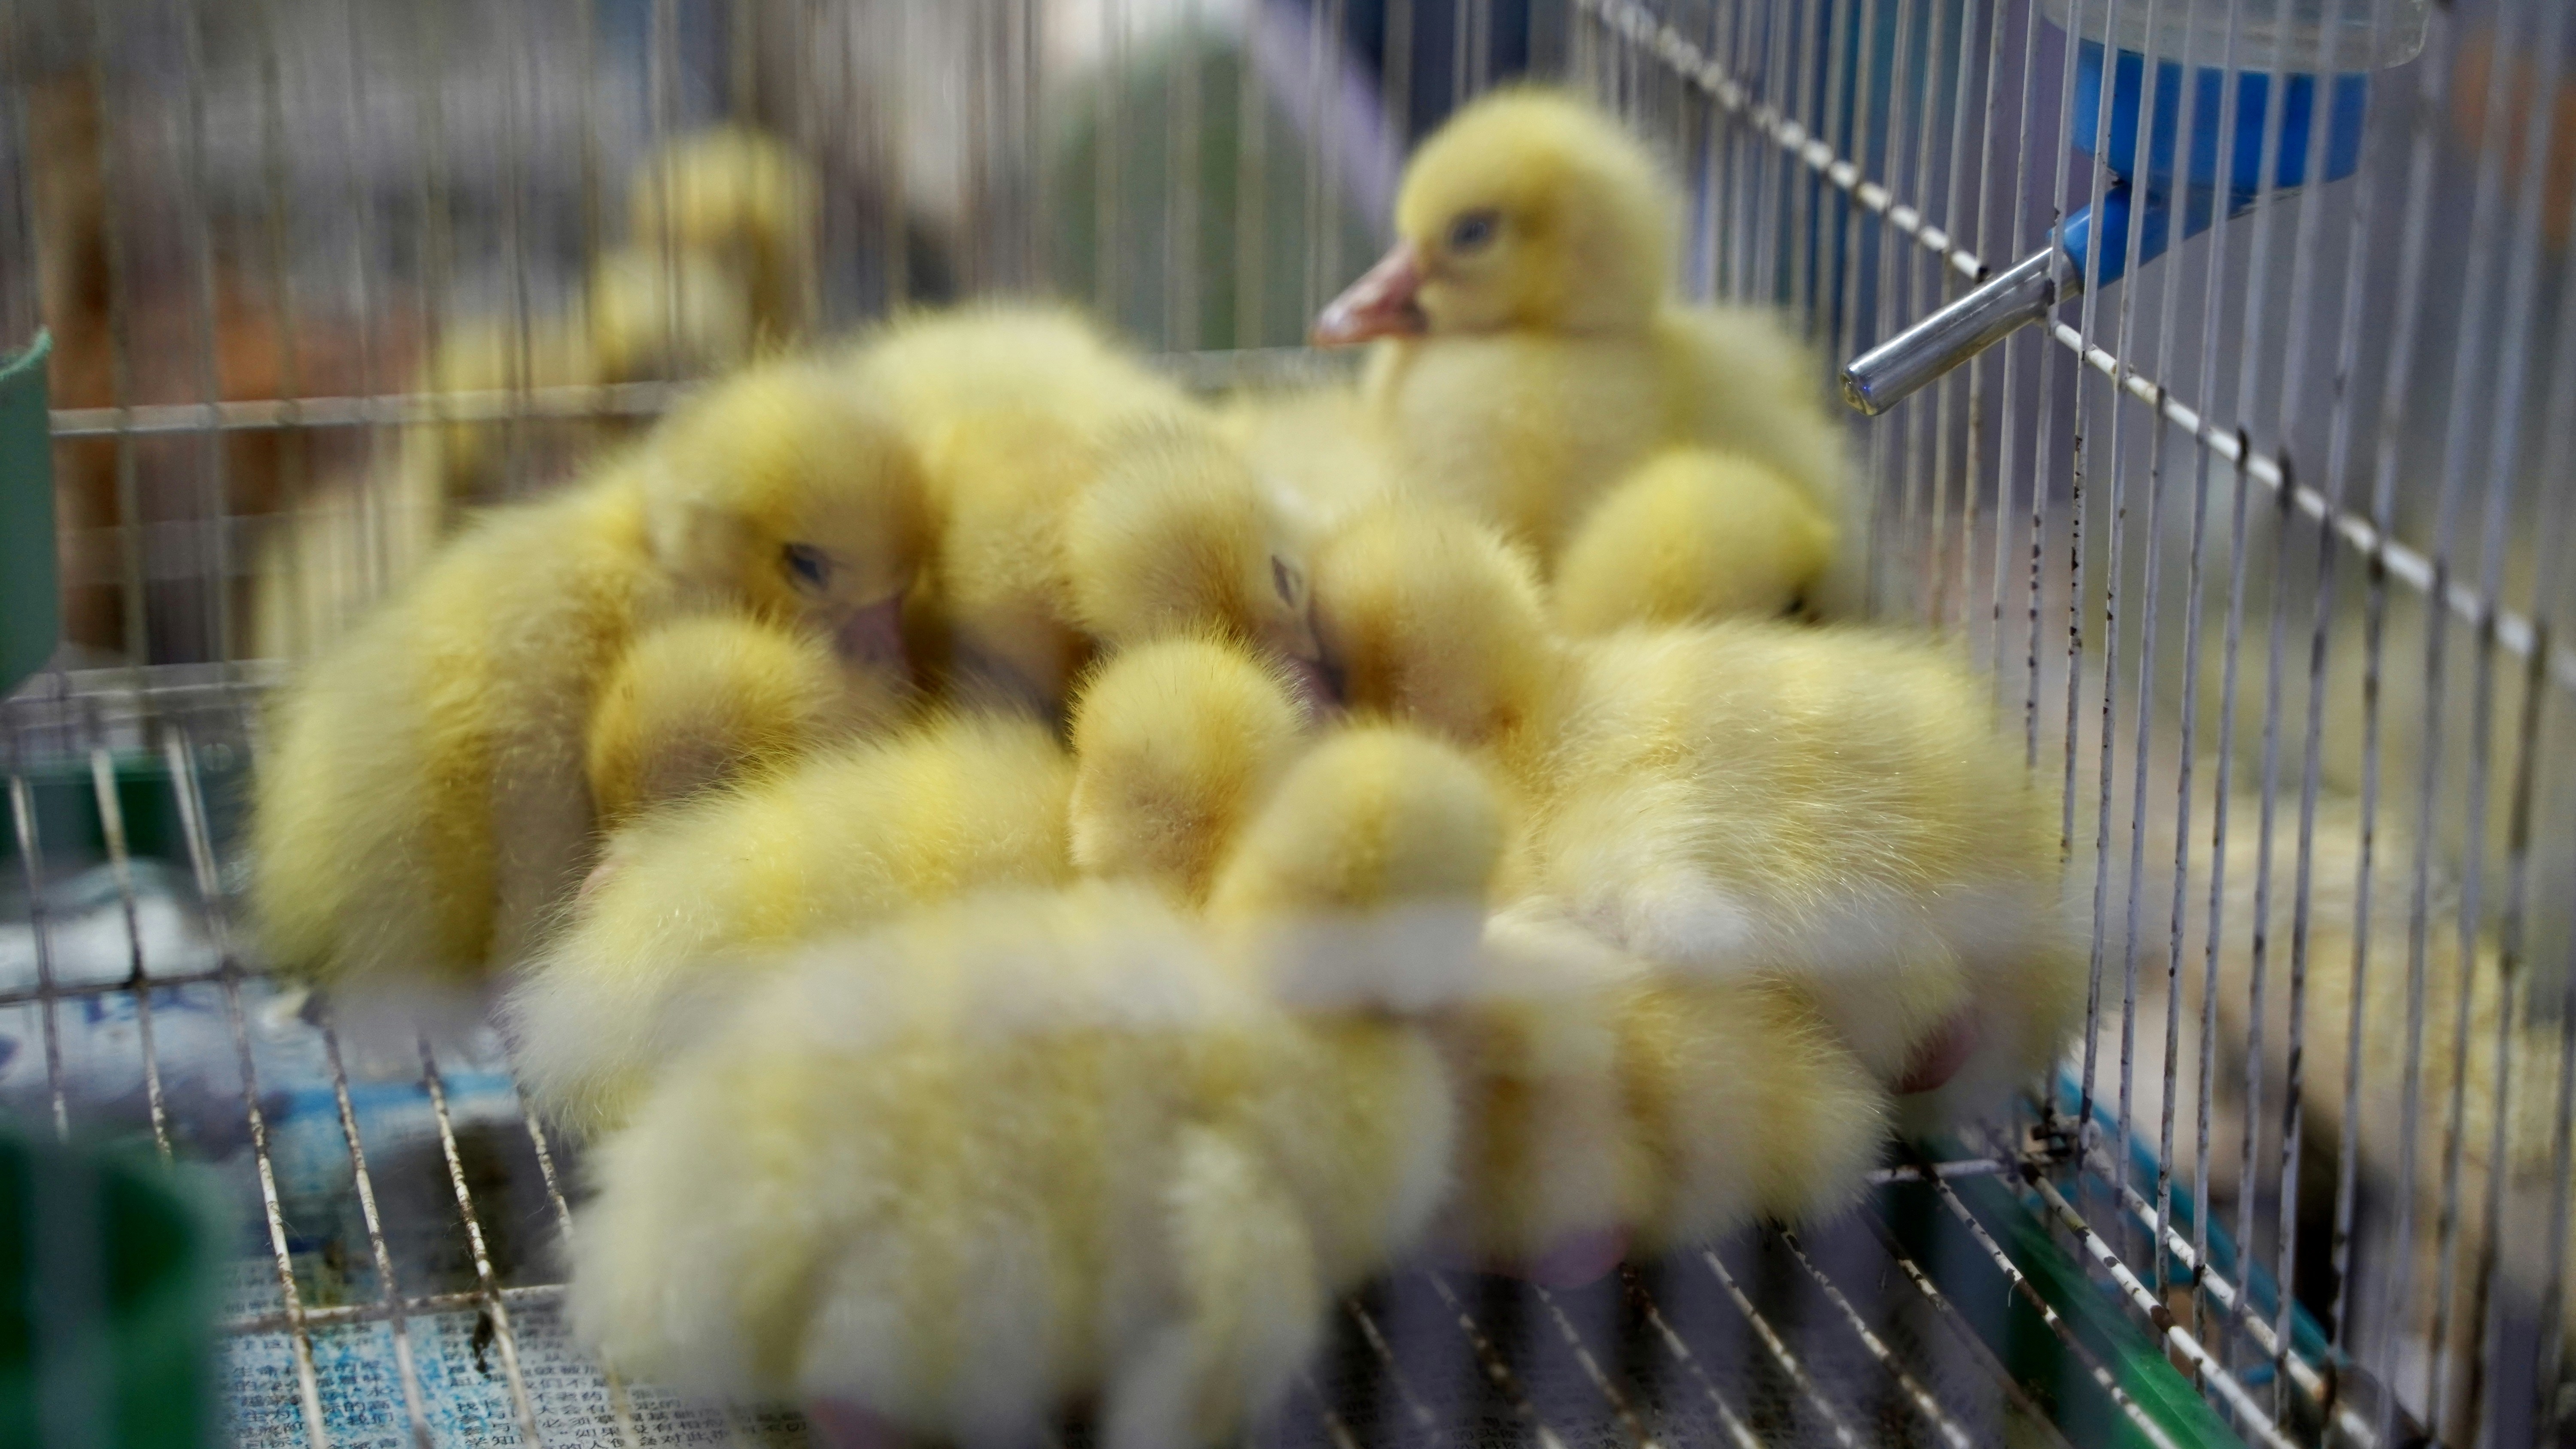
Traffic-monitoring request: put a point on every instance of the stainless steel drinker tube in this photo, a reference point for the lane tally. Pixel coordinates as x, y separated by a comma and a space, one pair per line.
2296, 112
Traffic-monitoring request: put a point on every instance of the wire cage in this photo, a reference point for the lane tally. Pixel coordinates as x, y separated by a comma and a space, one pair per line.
2256, 543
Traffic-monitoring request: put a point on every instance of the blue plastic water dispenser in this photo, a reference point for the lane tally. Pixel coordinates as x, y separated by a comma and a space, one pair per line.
2169, 185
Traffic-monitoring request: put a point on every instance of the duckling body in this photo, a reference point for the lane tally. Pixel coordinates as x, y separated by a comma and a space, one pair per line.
714, 698
1530, 353
423, 806
1176, 743
1691, 535
1604, 1100
1041, 1146
841, 839
1830, 808
1007, 1154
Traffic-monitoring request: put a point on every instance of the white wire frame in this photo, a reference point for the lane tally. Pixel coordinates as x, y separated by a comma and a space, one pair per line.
1860, 195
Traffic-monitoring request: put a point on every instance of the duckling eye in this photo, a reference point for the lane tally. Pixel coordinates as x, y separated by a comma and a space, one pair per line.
1284, 579
1472, 231
809, 566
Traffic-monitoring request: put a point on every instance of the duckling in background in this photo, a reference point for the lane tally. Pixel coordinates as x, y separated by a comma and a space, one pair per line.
716, 698
1175, 744
1747, 800
719, 267
657, 947
1692, 535
1081, 499
746, 201
1534, 353
422, 808
1034, 1148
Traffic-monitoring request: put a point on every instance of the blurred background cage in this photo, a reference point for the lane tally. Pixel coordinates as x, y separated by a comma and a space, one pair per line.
2262, 544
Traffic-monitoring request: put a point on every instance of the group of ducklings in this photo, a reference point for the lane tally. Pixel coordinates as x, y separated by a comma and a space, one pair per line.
1031, 885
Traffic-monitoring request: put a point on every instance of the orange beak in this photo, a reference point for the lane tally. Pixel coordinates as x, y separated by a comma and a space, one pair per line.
1382, 303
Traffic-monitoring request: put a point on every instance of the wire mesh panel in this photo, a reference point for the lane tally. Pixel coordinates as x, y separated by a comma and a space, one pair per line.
2255, 529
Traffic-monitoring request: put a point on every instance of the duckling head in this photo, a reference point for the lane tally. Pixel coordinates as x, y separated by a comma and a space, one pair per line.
1364, 879
1426, 615
1528, 210
714, 698
1175, 743
1176, 534
787, 491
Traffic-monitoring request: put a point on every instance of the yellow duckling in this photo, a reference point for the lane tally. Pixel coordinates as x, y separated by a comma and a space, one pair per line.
1177, 536
1534, 353
1828, 808
744, 201
422, 807
1040, 1147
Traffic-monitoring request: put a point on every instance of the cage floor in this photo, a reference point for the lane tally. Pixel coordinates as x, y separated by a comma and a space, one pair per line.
395, 1277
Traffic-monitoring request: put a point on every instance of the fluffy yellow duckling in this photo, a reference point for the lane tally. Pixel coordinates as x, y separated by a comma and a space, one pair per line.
1175, 744
1081, 500
1603, 1103
839, 840
745, 201
1832, 809
1009, 1154
422, 806
730, 274
1692, 535
1034, 1148
1534, 352
718, 264
715, 697
1425, 614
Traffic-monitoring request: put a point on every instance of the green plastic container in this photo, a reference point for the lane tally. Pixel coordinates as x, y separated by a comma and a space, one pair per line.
31, 617
107, 1302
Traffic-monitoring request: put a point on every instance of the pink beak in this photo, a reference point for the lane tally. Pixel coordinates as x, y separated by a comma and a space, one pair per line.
1314, 688
874, 636
1382, 303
